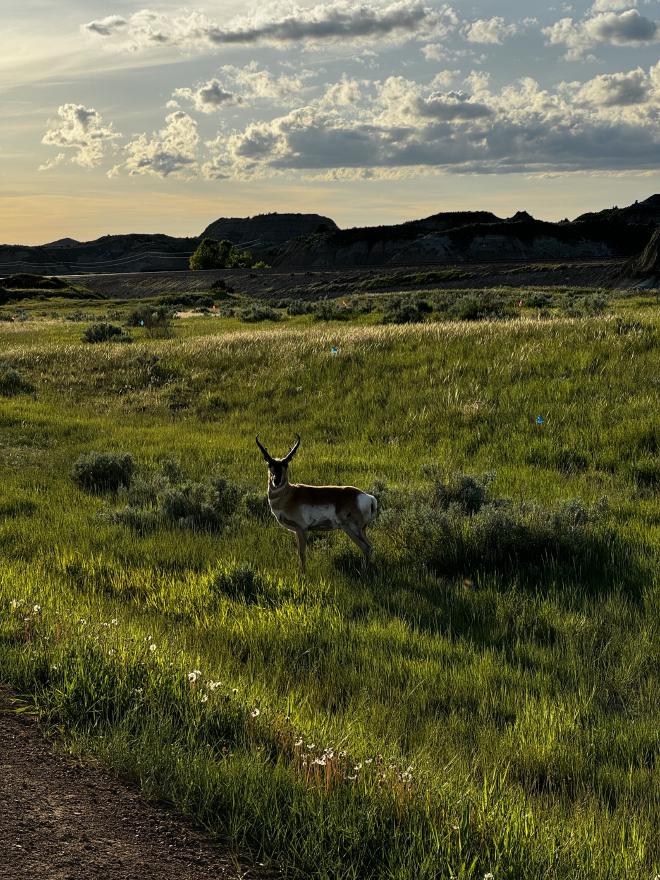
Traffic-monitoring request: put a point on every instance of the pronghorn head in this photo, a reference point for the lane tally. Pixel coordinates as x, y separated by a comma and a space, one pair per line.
278, 468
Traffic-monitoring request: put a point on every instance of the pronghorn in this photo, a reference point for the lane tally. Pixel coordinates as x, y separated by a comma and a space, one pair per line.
301, 508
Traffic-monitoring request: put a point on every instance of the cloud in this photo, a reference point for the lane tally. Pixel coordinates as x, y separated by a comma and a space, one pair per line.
330, 21
106, 27
619, 29
206, 97
623, 28
172, 151
434, 51
617, 89
390, 128
612, 5
80, 130
445, 78
344, 94
255, 83
339, 21
491, 30
398, 127
241, 85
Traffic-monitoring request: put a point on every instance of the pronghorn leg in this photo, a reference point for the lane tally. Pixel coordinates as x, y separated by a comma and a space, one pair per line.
358, 537
302, 546
370, 546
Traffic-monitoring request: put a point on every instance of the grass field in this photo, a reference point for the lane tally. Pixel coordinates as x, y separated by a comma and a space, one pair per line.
485, 700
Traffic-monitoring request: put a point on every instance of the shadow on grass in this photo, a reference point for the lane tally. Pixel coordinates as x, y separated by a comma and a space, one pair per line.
458, 562
489, 606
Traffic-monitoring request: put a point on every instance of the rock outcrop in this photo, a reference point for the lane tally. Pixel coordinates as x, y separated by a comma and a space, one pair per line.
266, 231
646, 267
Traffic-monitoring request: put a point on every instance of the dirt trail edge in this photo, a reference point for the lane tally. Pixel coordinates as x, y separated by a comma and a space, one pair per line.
63, 820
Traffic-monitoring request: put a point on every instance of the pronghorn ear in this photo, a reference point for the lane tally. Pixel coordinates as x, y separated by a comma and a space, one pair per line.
287, 458
264, 451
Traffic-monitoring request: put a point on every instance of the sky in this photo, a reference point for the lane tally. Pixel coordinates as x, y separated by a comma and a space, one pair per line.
118, 117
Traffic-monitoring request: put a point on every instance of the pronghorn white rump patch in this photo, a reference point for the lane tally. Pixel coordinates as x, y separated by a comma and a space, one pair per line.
368, 506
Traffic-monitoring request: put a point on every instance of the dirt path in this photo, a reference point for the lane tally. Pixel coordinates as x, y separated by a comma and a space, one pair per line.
62, 820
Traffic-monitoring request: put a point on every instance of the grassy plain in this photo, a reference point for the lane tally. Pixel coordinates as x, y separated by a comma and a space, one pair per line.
448, 715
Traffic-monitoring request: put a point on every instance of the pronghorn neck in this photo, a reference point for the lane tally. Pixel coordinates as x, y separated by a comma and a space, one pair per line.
278, 493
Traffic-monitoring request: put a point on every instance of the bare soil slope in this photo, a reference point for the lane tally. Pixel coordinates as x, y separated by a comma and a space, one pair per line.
62, 820
305, 284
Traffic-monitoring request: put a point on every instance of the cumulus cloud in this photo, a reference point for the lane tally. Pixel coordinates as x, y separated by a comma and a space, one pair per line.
388, 127
617, 89
329, 21
206, 97
612, 5
172, 151
489, 30
627, 28
399, 125
623, 28
255, 83
337, 21
81, 131
345, 93
240, 85
445, 78
106, 27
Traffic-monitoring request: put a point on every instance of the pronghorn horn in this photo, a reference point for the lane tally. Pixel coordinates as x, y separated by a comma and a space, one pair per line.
287, 458
264, 451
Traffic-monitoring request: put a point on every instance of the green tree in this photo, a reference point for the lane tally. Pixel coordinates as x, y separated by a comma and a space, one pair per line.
212, 254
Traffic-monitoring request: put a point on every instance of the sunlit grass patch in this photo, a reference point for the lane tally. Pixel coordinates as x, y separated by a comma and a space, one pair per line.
482, 700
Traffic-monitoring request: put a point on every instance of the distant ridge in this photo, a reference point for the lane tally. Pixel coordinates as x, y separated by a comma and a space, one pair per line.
479, 236
267, 230
61, 242
314, 241
641, 213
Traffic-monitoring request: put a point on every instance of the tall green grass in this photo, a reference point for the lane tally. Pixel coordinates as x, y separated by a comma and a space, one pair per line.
446, 715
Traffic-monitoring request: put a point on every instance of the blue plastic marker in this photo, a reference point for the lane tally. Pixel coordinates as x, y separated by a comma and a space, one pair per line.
141, 323
539, 420
334, 350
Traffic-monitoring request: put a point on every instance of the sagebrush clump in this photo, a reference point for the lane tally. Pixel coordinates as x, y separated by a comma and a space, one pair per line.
103, 471
456, 526
103, 332
13, 383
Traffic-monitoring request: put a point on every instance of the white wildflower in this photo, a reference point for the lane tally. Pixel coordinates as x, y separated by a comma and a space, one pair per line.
114, 621
36, 609
194, 675
204, 698
152, 647
255, 713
